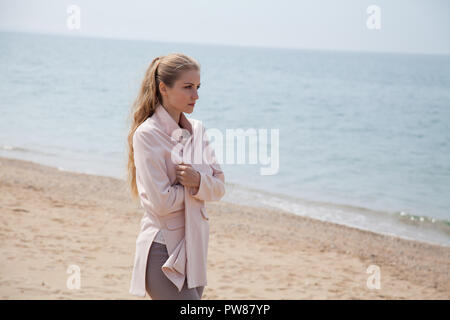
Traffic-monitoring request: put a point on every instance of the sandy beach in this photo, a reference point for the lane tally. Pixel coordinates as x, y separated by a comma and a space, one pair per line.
52, 219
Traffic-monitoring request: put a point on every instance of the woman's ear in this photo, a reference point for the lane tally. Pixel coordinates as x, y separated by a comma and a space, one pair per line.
163, 88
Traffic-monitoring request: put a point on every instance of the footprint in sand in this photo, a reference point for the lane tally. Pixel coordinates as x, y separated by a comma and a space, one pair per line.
264, 277
224, 287
241, 290
58, 220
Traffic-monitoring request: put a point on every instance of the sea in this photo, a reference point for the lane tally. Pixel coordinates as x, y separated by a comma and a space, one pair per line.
355, 138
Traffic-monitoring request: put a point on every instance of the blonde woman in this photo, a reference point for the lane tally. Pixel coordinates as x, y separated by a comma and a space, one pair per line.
171, 183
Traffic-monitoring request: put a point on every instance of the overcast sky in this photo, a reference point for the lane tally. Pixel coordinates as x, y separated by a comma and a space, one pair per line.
414, 26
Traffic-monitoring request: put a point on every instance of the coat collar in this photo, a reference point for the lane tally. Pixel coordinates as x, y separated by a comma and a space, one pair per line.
168, 123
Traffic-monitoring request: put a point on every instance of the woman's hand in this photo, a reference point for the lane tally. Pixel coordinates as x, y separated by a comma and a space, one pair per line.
187, 176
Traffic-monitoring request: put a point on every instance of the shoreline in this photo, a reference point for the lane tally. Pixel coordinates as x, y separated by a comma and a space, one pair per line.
404, 225
53, 219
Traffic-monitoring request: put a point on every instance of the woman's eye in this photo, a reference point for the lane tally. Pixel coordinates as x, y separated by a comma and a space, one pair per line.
191, 87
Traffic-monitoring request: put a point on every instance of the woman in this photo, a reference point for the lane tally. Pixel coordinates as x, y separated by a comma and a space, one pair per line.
172, 246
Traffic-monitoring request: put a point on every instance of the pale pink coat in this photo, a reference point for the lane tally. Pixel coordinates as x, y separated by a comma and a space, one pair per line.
159, 144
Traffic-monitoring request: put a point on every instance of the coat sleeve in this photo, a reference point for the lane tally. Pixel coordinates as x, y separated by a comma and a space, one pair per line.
212, 187
157, 195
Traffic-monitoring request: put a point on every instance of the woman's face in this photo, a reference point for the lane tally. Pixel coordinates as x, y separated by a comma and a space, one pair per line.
183, 93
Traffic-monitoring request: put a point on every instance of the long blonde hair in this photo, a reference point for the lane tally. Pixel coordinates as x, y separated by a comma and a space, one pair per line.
165, 69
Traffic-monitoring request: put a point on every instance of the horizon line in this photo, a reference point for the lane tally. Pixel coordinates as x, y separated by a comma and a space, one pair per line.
96, 36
